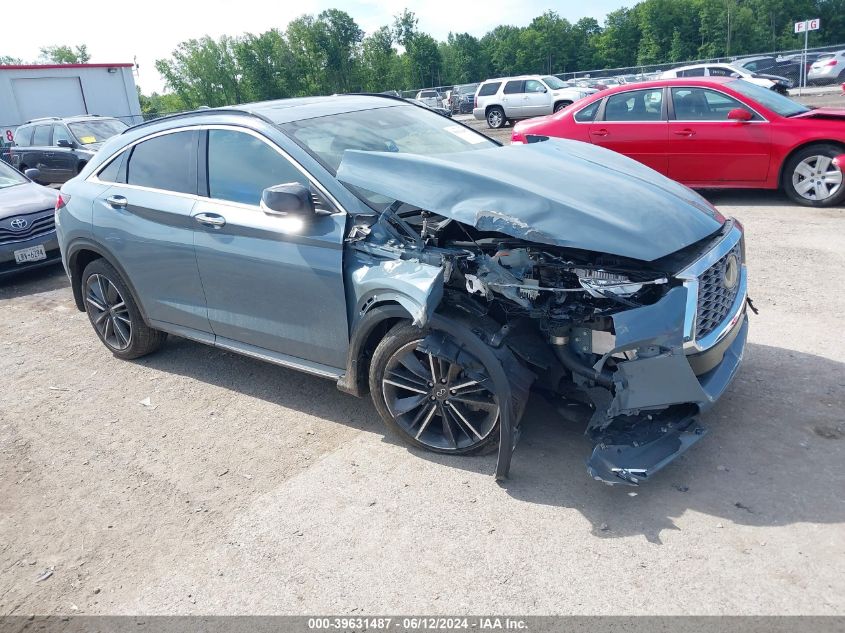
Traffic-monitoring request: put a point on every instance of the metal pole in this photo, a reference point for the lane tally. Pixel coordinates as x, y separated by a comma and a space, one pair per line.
804, 58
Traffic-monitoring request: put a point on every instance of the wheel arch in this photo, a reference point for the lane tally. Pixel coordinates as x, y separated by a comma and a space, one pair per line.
367, 331
82, 252
798, 148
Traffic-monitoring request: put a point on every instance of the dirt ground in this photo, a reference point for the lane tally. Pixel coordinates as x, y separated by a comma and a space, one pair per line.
247, 488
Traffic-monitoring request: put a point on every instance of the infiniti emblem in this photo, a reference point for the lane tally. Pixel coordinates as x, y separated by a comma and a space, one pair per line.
18, 224
731, 275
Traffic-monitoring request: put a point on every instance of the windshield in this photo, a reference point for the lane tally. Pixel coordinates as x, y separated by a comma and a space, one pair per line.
9, 177
405, 129
88, 132
554, 83
770, 99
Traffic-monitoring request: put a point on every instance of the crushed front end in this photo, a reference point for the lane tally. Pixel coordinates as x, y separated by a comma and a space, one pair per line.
636, 347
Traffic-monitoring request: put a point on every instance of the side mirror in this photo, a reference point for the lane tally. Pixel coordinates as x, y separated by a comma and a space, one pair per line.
290, 199
740, 114
32, 173
736, 75
63, 142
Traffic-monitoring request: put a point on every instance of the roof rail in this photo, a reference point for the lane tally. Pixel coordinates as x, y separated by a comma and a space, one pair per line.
191, 113
43, 118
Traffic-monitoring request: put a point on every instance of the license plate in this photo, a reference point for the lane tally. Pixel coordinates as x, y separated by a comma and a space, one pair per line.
32, 254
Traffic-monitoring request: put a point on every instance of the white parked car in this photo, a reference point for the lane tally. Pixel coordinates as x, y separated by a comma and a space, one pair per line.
510, 98
431, 98
717, 70
828, 68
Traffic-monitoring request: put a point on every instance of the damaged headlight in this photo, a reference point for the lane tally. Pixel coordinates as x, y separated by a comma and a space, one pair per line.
600, 283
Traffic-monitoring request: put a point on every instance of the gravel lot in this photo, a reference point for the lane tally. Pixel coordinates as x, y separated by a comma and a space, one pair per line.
248, 488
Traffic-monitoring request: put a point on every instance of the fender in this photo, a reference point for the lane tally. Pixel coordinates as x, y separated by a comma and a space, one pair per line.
87, 244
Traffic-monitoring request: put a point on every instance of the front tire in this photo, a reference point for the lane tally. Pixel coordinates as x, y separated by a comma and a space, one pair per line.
810, 178
428, 401
496, 117
114, 314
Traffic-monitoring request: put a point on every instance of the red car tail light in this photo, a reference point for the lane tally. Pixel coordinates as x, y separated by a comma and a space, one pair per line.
475, 102
832, 62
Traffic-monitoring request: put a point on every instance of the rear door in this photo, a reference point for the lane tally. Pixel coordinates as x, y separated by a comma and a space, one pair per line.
634, 123
705, 146
512, 98
40, 154
144, 218
272, 283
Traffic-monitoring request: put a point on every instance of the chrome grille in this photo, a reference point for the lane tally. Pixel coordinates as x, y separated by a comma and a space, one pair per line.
714, 299
35, 227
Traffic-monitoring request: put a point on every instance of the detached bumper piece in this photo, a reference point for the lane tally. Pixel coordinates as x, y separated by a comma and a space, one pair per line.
634, 448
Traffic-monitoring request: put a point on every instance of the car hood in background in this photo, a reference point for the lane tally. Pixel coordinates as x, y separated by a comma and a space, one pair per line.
822, 113
557, 192
26, 198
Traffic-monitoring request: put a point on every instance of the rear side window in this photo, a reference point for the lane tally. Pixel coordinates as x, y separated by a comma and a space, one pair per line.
241, 166
637, 105
489, 89
165, 162
115, 171
23, 137
721, 71
586, 115
41, 137
692, 72
513, 87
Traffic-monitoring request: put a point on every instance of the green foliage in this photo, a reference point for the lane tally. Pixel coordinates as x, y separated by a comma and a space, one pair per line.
8, 60
329, 53
65, 54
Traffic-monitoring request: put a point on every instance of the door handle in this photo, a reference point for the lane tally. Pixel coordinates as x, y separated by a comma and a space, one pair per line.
118, 202
685, 132
210, 219
601, 132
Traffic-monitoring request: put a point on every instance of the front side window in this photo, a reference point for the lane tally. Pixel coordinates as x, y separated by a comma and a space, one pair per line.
702, 104
241, 167
9, 177
41, 137
532, 85
165, 162
513, 87
60, 133
489, 89
637, 105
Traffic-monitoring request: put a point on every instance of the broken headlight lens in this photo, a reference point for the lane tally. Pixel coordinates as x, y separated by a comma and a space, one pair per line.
600, 283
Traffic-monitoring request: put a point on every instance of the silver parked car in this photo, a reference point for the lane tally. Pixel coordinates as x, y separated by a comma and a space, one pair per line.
511, 98
369, 241
431, 98
828, 68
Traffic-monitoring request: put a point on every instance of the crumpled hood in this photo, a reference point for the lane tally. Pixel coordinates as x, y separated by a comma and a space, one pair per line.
557, 192
26, 198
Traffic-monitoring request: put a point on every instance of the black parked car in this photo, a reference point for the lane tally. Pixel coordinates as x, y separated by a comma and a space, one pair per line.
765, 67
60, 148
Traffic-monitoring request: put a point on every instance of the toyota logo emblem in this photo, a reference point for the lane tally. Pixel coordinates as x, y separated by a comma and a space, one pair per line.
18, 224
731, 275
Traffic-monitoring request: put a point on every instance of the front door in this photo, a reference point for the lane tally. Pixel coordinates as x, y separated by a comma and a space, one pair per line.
633, 123
271, 282
64, 159
705, 146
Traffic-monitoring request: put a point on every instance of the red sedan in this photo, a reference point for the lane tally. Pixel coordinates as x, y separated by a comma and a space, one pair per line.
711, 133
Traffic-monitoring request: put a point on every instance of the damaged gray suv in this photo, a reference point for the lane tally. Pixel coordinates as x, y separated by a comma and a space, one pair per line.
370, 241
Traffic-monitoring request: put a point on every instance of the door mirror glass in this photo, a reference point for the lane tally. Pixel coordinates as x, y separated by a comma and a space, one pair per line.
289, 199
740, 114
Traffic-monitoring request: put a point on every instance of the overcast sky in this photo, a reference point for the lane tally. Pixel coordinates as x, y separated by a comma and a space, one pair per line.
151, 29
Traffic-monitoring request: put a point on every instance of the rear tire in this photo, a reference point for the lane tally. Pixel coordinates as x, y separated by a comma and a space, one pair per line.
560, 105
114, 314
810, 179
